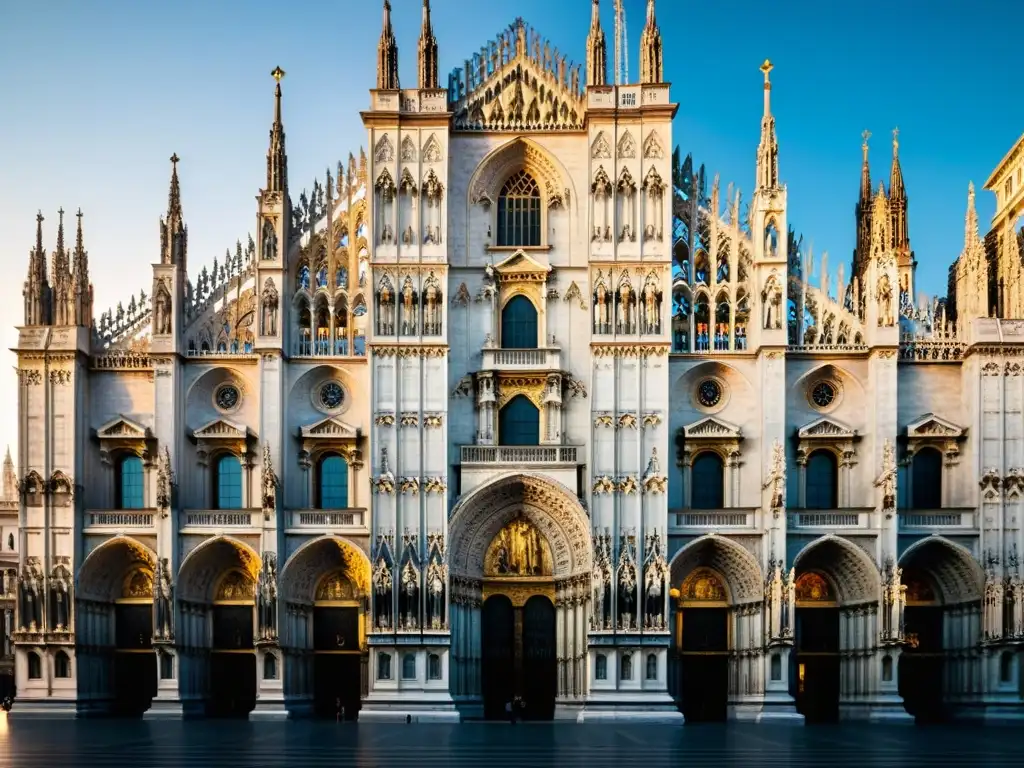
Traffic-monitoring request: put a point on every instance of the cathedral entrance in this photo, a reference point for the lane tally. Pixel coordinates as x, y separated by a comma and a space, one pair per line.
702, 637
518, 634
232, 656
337, 658
134, 660
817, 649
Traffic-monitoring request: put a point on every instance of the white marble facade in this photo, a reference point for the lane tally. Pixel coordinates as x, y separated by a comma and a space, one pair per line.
511, 310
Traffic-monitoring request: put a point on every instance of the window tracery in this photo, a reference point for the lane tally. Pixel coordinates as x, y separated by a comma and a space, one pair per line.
519, 211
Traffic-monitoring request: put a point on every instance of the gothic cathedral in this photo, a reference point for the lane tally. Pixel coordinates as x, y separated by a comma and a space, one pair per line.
510, 411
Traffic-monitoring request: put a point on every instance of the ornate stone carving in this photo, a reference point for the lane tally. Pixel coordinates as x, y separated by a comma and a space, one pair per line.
626, 421
603, 484
433, 420
626, 147
410, 485
775, 478
653, 480
436, 485
652, 147
384, 152
461, 297
408, 150
30, 377
163, 603
887, 479
601, 583
656, 575
384, 483
626, 572
628, 485
600, 150
269, 484
384, 419
60, 377
164, 482
432, 150
573, 294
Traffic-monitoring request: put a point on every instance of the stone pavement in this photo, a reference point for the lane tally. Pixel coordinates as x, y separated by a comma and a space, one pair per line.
198, 744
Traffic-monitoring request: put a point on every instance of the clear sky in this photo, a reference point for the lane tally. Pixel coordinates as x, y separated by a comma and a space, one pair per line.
99, 93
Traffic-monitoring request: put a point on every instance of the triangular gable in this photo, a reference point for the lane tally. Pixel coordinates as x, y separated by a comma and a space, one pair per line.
221, 429
517, 81
826, 429
520, 262
931, 425
330, 428
712, 429
121, 428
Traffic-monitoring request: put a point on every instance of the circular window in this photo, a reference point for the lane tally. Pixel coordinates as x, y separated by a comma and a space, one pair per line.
227, 397
823, 394
709, 393
332, 395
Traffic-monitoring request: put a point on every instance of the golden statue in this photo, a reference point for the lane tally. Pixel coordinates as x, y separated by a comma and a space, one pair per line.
518, 550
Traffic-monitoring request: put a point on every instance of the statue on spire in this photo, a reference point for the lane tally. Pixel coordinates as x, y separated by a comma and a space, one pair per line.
277, 158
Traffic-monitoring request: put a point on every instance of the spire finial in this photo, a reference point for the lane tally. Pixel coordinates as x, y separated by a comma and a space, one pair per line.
652, 67
427, 63
278, 74
277, 159
895, 141
387, 54
60, 230
79, 241
866, 135
597, 51
767, 68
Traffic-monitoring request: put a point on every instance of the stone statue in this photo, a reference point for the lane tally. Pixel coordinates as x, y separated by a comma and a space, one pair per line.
519, 549
163, 612
652, 308
627, 587
382, 594
431, 309
164, 481
269, 484
771, 297
60, 585
436, 573
269, 241
601, 318
408, 309
266, 597
776, 477
884, 302
161, 311
385, 308
789, 604
887, 479
655, 576
626, 308
599, 583
270, 301
409, 596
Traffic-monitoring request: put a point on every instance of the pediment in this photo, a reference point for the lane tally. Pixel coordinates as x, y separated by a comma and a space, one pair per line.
521, 263
221, 429
330, 428
518, 81
712, 429
122, 428
931, 425
826, 429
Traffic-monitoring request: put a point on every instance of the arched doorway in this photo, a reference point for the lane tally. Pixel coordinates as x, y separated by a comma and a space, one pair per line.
942, 626
518, 636
216, 636
703, 632
325, 587
817, 648
837, 588
520, 568
717, 598
116, 667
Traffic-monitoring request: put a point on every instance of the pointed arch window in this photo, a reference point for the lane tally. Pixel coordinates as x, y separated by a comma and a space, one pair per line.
332, 483
130, 483
519, 324
519, 422
822, 480
519, 215
61, 665
926, 473
707, 478
228, 482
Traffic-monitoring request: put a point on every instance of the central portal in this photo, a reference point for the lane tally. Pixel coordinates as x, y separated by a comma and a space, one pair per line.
518, 633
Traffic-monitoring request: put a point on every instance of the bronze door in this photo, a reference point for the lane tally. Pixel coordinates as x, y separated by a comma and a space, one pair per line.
540, 665
704, 666
816, 681
337, 674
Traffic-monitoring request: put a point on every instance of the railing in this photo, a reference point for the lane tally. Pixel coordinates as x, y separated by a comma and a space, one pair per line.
119, 518
958, 517
704, 519
207, 518
522, 359
830, 518
328, 518
520, 454
307, 346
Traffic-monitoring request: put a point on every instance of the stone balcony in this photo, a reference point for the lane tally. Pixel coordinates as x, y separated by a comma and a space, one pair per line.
699, 521
952, 520
325, 521
224, 520
127, 521
820, 521
522, 360
520, 455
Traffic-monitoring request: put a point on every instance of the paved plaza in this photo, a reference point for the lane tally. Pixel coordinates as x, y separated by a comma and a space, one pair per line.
196, 744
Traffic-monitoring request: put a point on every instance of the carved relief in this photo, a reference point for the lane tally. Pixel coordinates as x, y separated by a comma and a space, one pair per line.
432, 150
574, 294
652, 147
518, 549
384, 152
601, 149
461, 298
384, 419
627, 146
408, 150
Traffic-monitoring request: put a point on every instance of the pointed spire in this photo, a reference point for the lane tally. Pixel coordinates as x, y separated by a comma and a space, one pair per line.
277, 158
81, 287
898, 198
896, 188
10, 479
60, 231
768, 148
865, 170
971, 236
36, 291
173, 233
427, 51
387, 55
597, 49
651, 60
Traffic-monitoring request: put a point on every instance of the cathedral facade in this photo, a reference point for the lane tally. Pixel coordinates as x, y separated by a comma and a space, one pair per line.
510, 411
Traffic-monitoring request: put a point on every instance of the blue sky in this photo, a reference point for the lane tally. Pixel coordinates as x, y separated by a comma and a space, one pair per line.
99, 93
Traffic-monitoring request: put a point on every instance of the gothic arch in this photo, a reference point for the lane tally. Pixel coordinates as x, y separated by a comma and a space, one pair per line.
318, 557
101, 575
736, 565
954, 571
548, 504
850, 568
521, 154
682, 387
203, 567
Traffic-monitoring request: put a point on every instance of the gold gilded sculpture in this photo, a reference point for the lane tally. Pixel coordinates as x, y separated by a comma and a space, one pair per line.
518, 549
